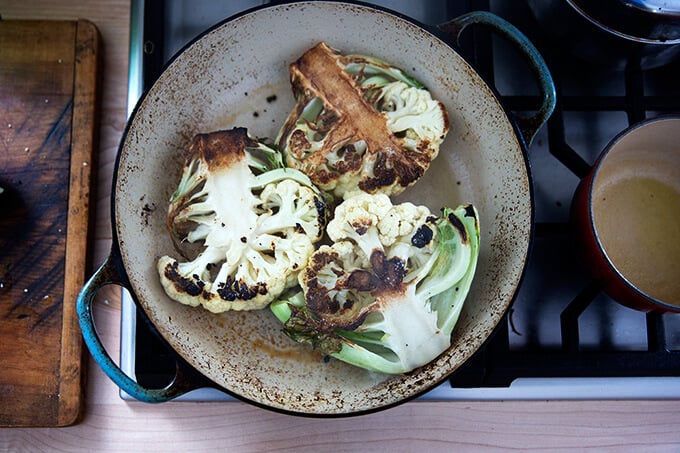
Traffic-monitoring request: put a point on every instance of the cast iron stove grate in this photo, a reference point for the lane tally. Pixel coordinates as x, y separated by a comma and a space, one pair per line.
498, 363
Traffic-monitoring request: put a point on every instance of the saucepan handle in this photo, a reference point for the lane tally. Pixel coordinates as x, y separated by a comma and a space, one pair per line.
111, 272
528, 125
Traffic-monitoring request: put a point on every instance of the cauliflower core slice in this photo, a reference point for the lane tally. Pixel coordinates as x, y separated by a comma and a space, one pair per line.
256, 222
360, 124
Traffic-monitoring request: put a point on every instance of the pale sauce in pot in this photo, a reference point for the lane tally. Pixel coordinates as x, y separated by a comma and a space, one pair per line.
638, 223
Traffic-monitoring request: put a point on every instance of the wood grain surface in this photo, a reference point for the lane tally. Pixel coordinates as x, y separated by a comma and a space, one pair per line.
48, 73
110, 424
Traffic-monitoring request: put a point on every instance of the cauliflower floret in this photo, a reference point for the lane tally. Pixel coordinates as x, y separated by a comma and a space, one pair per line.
385, 231
412, 112
402, 221
360, 124
359, 219
257, 224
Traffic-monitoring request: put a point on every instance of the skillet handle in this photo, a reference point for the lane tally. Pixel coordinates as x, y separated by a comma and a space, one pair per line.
112, 273
528, 125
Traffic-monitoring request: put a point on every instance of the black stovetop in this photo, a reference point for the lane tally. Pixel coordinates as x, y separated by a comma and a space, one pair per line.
561, 324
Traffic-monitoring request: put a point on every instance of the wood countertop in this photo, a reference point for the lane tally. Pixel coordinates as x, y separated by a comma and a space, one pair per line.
111, 424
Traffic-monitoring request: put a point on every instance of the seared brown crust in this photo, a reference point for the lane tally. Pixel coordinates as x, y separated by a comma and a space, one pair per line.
422, 237
390, 273
220, 149
231, 290
385, 277
182, 284
238, 290
455, 221
351, 118
316, 295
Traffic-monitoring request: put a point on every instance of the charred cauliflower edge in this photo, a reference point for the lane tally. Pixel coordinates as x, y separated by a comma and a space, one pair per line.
257, 223
359, 124
387, 293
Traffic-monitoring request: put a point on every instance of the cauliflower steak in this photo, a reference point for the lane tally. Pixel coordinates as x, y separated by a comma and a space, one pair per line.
256, 223
387, 293
359, 124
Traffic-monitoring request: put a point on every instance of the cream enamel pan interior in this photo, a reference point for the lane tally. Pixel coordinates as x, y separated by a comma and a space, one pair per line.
237, 75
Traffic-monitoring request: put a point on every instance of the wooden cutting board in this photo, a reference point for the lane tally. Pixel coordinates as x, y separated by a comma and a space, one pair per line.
48, 99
